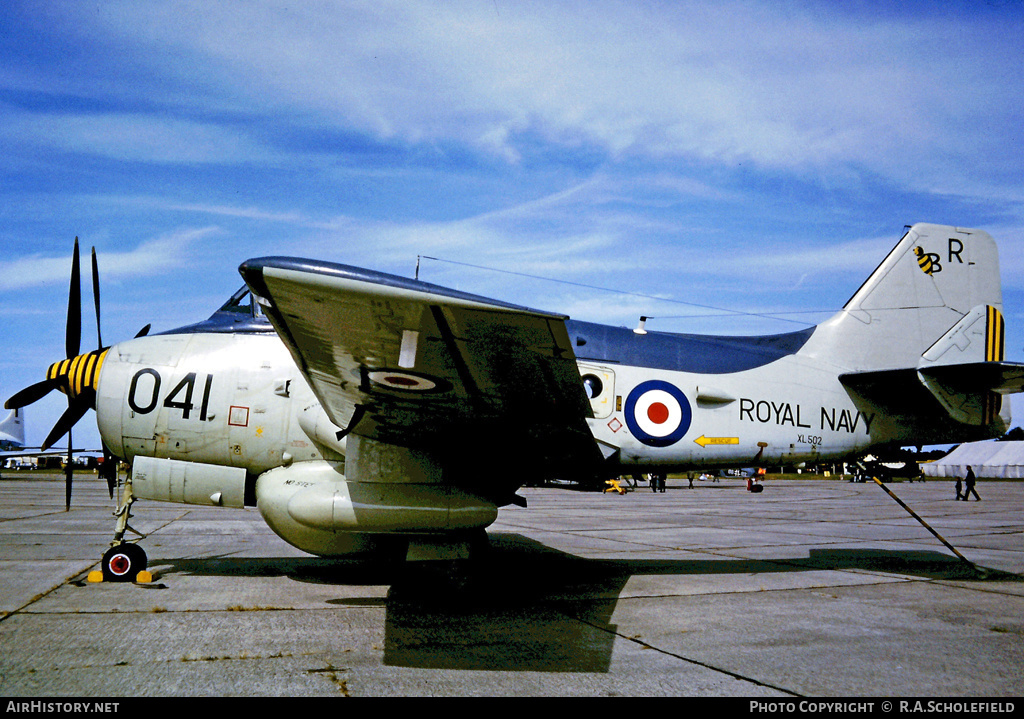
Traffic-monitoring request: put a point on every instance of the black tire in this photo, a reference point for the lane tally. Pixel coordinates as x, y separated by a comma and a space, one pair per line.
123, 562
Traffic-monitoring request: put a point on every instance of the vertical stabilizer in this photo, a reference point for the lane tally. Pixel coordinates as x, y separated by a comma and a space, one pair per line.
12, 429
935, 277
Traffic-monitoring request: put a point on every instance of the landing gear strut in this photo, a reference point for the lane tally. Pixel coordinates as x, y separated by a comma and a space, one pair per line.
124, 561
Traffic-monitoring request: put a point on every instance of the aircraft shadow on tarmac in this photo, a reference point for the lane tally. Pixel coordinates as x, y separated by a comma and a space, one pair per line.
527, 607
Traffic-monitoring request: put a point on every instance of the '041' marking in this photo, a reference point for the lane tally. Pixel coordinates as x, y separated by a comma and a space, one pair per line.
144, 393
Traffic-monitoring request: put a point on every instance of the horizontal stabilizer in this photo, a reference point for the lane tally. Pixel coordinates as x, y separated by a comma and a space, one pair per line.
998, 377
963, 370
971, 393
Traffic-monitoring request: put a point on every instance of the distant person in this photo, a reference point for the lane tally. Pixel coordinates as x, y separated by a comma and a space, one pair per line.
969, 485
959, 487
754, 483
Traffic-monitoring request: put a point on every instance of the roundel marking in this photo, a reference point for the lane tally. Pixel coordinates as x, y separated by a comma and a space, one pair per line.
406, 381
657, 413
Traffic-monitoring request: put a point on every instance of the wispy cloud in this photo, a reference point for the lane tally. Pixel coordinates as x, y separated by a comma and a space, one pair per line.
152, 257
781, 86
129, 137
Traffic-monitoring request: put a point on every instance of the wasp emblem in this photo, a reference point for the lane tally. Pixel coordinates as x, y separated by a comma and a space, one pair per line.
927, 261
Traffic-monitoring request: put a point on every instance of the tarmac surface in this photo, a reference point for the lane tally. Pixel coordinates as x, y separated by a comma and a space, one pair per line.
813, 588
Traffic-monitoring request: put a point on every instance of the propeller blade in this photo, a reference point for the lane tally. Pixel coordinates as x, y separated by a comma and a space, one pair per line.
75, 411
73, 335
96, 297
143, 332
33, 393
69, 472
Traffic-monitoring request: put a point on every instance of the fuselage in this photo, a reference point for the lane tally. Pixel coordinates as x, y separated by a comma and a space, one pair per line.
228, 392
238, 399
686, 401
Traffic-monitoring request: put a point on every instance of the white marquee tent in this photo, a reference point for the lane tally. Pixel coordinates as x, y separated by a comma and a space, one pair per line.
1001, 460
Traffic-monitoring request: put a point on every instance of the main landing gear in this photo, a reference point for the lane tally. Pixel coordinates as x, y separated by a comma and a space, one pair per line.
124, 561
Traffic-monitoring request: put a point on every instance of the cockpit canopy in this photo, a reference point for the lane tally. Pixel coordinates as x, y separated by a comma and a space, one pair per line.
241, 313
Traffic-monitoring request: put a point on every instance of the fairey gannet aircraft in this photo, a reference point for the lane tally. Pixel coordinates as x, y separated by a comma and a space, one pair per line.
357, 409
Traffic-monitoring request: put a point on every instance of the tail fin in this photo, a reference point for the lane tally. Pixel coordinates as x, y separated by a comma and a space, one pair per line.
12, 429
924, 334
935, 277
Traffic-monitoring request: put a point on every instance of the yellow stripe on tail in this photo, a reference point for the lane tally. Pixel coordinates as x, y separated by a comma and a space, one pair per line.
995, 348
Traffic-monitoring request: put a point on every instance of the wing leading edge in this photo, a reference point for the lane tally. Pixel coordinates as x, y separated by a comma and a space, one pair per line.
418, 365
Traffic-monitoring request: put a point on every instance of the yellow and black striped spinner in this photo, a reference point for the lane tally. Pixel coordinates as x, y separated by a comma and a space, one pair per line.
81, 374
995, 339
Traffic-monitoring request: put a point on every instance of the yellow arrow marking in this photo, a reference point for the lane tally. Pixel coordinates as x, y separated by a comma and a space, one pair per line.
705, 441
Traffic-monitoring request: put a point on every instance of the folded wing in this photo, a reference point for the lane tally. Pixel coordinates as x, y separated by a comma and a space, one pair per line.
417, 365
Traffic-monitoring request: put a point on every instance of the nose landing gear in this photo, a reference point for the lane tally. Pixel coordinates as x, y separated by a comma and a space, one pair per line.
124, 561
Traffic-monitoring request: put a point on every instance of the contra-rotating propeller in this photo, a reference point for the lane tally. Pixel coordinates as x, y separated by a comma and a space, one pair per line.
76, 376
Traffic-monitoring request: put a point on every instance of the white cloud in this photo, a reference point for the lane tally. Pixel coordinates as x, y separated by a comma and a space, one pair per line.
784, 86
130, 137
149, 258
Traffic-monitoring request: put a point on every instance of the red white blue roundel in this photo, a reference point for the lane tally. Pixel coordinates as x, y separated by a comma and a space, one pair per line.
657, 413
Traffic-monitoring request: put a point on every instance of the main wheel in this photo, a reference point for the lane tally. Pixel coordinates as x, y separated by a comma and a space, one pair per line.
123, 562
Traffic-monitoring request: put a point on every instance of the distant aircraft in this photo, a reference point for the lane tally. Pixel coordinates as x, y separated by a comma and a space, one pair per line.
357, 409
14, 449
12, 431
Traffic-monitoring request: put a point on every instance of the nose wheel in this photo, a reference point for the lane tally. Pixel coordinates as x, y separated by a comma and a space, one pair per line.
123, 562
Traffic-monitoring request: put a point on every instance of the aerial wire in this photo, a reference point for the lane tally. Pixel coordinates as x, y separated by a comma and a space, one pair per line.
723, 311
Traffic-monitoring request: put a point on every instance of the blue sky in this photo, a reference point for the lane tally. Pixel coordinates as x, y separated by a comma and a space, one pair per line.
755, 157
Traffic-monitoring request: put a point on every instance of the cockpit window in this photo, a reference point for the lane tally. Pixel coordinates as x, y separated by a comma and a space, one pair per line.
242, 303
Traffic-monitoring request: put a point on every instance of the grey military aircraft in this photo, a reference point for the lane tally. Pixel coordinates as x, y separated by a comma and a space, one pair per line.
12, 431
360, 411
